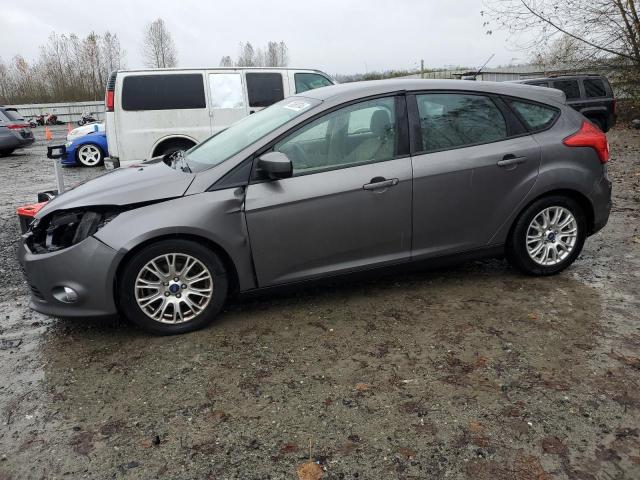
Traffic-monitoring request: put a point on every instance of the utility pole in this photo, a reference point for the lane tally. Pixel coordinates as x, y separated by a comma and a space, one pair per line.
421, 68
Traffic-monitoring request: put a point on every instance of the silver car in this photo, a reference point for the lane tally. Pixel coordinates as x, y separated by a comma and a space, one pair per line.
15, 131
337, 180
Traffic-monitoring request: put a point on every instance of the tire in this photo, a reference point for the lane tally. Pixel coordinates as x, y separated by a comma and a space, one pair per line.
137, 271
6, 153
547, 238
90, 155
173, 147
80, 122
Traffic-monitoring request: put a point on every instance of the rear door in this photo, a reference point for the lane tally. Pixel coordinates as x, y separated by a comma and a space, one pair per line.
473, 164
154, 106
348, 204
227, 99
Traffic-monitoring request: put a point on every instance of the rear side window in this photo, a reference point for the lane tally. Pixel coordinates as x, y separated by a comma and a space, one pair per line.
538, 84
309, 81
535, 116
264, 89
570, 88
163, 92
594, 88
452, 120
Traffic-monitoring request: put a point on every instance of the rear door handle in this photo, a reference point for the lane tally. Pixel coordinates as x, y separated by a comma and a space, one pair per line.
380, 182
510, 160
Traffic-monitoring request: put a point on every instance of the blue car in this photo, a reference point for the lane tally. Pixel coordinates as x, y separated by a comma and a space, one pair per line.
88, 150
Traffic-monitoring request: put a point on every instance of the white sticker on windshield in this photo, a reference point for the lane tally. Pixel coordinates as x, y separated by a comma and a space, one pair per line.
297, 105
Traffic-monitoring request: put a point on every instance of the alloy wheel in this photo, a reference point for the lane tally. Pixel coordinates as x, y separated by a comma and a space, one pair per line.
89, 155
551, 236
173, 288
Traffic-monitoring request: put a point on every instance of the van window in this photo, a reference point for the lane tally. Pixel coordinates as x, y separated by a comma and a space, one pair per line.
594, 88
264, 89
226, 90
570, 88
163, 92
453, 120
535, 116
309, 81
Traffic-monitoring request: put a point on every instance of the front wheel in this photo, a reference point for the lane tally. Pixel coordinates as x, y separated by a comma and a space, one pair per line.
81, 122
90, 155
172, 287
548, 236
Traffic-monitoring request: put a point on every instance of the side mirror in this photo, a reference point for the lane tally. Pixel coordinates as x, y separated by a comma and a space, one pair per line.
275, 165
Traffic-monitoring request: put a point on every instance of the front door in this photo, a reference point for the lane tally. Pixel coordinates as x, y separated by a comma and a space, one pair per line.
472, 170
347, 205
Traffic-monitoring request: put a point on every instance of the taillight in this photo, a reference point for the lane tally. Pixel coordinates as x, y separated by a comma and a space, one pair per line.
17, 126
108, 100
590, 136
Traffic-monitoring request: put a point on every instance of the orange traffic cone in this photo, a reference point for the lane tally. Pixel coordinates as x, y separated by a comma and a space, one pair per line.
69, 128
47, 134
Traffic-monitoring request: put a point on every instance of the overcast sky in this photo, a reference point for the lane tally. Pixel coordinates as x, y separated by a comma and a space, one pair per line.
337, 36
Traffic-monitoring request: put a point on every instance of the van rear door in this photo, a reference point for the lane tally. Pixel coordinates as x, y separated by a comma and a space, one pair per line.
155, 106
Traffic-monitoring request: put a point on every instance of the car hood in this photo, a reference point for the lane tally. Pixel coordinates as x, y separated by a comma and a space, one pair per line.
124, 186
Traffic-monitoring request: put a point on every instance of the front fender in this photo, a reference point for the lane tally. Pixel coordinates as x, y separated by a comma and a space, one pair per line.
215, 216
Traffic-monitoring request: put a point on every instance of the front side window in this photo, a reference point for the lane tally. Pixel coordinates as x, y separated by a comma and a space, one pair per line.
357, 134
535, 116
309, 81
571, 88
226, 90
242, 134
163, 92
264, 89
453, 120
594, 88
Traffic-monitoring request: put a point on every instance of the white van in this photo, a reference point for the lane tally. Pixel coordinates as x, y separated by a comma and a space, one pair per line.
156, 112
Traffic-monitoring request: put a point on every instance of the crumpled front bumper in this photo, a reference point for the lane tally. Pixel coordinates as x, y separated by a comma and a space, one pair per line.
89, 268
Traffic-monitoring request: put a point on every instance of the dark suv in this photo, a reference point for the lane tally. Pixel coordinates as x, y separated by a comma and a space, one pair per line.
590, 95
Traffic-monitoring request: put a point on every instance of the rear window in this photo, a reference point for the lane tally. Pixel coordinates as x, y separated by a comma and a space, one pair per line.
264, 89
309, 81
570, 88
535, 116
163, 92
594, 87
538, 84
12, 115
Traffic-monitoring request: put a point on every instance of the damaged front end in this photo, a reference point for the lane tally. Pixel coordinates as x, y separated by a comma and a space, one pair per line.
64, 228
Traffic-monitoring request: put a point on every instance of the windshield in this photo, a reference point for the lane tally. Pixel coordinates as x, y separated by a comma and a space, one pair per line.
240, 135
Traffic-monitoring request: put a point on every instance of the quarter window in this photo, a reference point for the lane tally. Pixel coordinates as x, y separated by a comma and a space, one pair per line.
452, 120
594, 88
163, 92
570, 88
226, 90
535, 116
309, 81
354, 135
264, 89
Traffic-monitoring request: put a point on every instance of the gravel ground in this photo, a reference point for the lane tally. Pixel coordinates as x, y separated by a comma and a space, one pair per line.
468, 372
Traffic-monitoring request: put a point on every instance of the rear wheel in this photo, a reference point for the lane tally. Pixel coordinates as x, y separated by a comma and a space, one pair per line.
90, 155
599, 122
548, 236
172, 147
172, 287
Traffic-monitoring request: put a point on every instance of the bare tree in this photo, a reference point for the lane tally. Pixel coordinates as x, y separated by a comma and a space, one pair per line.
158, 48
606, 30
275, 54
247, 55
226, 61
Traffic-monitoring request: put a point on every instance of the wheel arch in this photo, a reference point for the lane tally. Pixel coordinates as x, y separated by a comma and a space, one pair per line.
169, 140
229, 265
579, 197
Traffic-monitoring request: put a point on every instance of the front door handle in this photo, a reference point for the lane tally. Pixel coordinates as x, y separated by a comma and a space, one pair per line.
511, 160
377, 183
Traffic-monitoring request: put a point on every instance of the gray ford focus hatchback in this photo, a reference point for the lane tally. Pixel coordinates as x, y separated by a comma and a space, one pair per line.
337, 180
